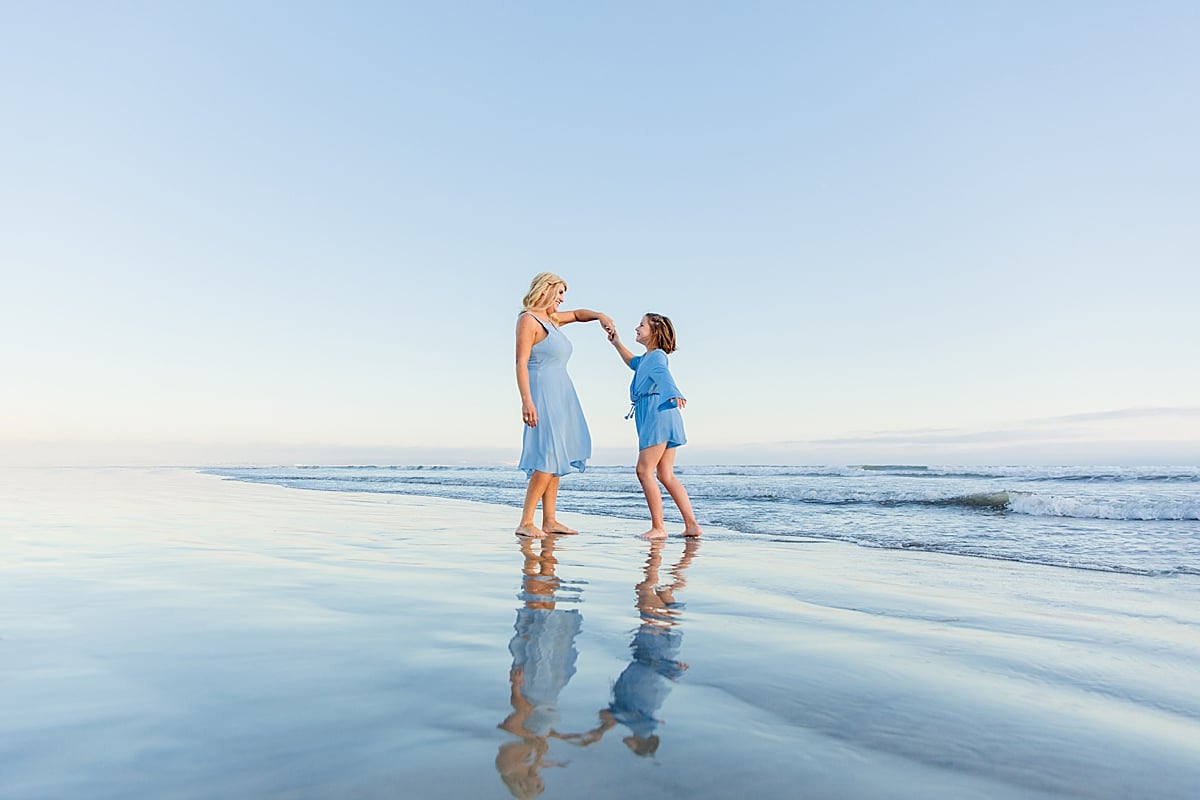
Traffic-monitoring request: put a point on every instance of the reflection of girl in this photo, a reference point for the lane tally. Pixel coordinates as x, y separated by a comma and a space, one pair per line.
642, 687
544, 654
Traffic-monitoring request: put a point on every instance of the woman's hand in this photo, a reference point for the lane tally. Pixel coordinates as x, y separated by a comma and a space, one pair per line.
529, 413
680, 402
606, 323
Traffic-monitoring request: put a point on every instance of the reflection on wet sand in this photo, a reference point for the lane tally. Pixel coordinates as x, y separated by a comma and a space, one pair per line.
543, 651
642, 687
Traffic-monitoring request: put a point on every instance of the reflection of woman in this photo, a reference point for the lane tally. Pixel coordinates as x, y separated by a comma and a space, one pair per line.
556, 439
643, 686
543, 651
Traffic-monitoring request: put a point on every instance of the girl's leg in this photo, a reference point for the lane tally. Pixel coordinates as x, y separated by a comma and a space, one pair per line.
666, 474
647, 463
550, 523
533, 493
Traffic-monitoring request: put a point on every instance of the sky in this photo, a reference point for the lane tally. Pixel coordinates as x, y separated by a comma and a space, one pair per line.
887, 232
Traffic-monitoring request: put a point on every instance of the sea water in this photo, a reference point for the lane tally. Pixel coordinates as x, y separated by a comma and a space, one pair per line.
1139, 520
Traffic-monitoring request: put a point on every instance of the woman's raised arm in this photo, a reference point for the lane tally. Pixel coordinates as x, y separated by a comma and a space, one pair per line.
585, 315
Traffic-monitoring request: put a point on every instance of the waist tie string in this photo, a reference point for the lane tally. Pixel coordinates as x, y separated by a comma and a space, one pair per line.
633, 405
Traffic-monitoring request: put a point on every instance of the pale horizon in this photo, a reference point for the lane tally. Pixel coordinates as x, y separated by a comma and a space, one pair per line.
1052, 442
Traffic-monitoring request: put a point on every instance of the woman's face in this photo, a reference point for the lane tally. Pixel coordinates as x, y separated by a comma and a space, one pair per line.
554, 297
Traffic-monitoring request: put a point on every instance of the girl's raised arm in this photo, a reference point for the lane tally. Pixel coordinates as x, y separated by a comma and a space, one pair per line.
622, 350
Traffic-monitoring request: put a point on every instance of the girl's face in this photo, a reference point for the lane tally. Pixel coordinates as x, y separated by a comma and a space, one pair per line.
644, 336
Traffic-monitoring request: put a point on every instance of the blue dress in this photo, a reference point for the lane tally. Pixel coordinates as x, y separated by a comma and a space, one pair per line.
544, 648
641, 689
561, 442
651, 392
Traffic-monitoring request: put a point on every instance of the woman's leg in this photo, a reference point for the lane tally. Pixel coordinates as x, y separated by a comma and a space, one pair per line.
666, 474
646, 464
534, 492
550, 523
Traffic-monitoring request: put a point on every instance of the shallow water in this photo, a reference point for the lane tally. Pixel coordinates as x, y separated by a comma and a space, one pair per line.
1143, 520
167, 634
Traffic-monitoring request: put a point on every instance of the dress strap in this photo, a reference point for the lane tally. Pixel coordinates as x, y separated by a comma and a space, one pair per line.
539, 320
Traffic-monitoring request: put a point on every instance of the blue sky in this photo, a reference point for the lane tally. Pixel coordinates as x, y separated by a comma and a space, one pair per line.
928, 232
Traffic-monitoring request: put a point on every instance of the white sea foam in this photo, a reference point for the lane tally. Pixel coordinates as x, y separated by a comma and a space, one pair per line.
1152, 508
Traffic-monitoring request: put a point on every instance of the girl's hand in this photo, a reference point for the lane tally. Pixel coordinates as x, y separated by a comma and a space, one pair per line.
612, 336
529, 413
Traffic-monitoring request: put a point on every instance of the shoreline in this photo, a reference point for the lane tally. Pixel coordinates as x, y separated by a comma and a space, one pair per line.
166, 632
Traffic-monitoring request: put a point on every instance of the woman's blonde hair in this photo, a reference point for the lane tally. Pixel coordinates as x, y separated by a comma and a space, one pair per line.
542, 284
663, 332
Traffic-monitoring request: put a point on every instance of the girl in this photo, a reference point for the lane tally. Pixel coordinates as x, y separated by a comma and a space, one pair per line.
656, 402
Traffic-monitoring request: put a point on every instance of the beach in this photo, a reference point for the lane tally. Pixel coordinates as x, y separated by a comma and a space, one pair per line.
172, 634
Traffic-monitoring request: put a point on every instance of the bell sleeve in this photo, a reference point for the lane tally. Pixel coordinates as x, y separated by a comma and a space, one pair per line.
660, 373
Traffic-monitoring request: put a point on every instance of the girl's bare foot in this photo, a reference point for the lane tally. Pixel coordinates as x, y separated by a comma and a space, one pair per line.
655, 533
530, 531
692, 530
557, 527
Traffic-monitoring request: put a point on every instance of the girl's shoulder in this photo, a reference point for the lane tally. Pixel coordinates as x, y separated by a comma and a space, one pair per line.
655, 355
649, 359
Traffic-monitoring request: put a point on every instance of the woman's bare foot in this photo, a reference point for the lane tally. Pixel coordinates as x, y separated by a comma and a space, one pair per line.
692, 530
557, 527
530, 531
655, 533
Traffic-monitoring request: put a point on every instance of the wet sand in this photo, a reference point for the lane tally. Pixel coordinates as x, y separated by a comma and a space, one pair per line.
169, 634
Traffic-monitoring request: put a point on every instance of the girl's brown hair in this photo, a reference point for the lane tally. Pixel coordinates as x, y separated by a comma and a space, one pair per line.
663, 332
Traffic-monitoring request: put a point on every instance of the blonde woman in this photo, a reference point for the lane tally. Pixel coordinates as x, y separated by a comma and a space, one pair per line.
556, 439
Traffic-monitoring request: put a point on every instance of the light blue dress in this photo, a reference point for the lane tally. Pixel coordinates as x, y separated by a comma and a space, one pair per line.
544, 648
651, 393
561, 442
641, 689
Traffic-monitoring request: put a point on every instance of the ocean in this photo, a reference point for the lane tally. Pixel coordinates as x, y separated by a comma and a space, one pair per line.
1136, 520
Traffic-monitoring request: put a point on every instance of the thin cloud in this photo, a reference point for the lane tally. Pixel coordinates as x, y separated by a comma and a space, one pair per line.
1123, 413
1064, 428
949, 437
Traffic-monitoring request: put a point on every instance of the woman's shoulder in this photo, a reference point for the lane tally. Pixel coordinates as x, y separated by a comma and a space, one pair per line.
530, 320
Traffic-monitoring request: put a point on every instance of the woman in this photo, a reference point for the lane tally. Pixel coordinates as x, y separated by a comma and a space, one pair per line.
556, 437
